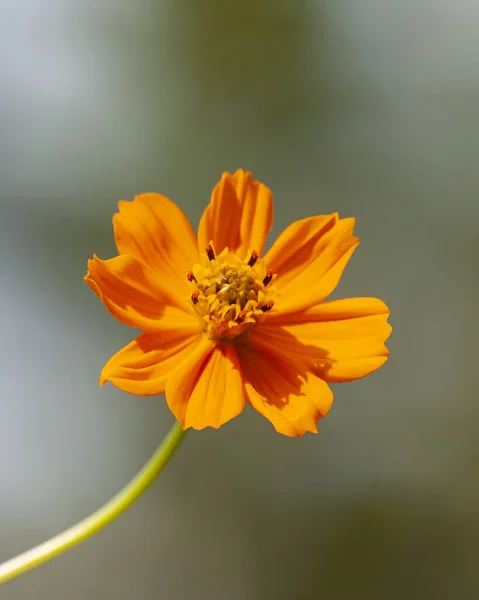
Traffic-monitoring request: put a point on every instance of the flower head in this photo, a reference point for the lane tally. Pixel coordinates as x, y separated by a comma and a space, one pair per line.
222, 324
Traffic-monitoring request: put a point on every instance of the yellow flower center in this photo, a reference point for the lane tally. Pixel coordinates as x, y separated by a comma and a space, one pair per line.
229, 294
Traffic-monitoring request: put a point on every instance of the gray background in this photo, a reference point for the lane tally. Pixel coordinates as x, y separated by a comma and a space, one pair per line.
369, 107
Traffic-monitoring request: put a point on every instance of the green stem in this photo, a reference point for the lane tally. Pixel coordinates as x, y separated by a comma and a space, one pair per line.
99, 519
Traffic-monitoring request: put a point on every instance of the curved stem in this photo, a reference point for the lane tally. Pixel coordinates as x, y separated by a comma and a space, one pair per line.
100, 518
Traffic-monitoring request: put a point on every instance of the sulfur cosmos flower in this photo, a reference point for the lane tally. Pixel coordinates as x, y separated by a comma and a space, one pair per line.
223, 324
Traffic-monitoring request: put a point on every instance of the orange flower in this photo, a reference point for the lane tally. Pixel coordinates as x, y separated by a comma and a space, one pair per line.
222, 324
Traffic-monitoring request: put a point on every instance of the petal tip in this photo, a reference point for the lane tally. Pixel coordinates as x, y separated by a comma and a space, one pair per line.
92, 284
292, 431
122, 205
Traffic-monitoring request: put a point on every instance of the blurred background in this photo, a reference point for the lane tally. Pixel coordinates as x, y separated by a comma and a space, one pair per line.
368, 107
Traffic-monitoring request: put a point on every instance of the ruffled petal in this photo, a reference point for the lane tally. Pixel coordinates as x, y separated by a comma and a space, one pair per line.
292, 398
309, 258
342, 340
239, 215
154, 230
143, 366
134, 294
206, 390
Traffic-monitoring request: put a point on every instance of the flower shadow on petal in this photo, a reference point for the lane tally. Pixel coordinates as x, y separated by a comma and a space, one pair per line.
285, 350
133, 293
282, 384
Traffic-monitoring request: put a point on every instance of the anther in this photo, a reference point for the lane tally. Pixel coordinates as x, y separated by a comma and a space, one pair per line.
210, 252
268, 306
191, 276
268, 278
195, 297
254, 257
242, 317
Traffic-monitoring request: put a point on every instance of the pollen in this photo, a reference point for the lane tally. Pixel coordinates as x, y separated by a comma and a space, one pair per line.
229, 294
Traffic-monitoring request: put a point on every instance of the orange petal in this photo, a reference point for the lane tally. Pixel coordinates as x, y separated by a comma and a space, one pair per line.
206, 390
309, 258
239, 215
342, 339
134, 294
143, 366
289, 396
154, 230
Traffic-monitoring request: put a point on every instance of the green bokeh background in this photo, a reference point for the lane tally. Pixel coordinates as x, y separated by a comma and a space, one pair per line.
368, 107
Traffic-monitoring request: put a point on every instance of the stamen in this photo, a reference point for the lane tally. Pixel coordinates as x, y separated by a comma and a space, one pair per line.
268, 306
268, 278
241, 317
254, 257
191, 276
210, 252
195, 297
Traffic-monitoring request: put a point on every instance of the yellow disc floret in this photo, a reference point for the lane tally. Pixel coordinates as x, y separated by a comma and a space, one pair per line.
229, 294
